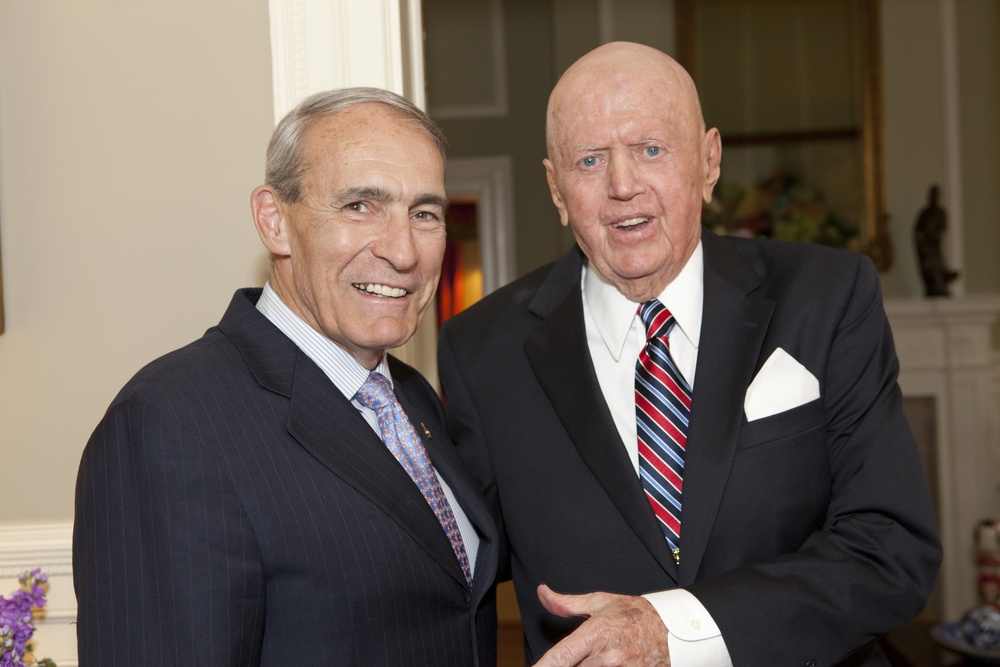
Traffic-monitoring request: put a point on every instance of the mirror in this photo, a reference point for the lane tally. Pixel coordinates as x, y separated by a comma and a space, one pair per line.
794, 87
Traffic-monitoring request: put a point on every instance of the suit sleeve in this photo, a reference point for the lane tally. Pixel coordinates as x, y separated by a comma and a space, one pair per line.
166, 569
871, 566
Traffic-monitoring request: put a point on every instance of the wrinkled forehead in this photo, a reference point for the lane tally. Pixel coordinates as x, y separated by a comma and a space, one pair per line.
605, 87
592, 106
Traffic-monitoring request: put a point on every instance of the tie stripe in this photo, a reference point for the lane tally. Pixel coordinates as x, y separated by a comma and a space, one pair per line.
662, 408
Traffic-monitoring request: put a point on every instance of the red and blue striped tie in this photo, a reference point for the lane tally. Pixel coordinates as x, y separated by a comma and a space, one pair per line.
662, 410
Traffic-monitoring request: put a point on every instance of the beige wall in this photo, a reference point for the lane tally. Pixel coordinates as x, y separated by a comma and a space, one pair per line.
131, 134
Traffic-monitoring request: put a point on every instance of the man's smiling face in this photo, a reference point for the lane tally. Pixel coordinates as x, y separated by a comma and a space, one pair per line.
358, 257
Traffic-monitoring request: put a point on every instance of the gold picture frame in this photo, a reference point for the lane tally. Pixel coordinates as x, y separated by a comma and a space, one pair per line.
865, 132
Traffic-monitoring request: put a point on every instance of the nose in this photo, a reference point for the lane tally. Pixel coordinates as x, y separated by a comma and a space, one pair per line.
624, 180
396, 243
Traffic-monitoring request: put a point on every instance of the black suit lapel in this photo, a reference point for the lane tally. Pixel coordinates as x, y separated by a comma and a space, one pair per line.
428, 421
331, 429
560, 358
732, 332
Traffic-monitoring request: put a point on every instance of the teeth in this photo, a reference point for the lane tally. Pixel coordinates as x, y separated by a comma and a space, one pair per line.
381, 290
631, 222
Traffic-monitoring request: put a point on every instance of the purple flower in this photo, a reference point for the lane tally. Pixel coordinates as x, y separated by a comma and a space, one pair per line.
16, 617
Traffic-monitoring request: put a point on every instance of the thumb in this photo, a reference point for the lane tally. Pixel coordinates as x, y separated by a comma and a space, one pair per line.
565, 606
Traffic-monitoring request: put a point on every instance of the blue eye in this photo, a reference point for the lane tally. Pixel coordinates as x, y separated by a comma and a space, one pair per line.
653, 151
589, 161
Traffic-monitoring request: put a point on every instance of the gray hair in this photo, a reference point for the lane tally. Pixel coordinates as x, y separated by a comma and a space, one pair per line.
283, 169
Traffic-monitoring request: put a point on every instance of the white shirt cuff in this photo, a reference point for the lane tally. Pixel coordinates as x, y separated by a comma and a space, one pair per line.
692, 635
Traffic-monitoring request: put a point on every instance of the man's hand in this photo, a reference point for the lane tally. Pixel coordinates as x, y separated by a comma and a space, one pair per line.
619, 630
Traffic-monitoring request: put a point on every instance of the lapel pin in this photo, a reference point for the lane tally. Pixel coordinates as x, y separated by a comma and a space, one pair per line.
426, 431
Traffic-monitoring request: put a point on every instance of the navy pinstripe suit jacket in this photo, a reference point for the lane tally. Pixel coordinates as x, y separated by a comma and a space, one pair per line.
233, 508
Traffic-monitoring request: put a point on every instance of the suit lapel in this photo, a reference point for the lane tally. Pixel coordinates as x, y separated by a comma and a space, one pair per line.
326, 424
429, 424
732, 332
560, 358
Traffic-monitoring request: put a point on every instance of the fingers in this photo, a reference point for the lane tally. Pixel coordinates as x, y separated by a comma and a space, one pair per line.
571, 651
566, 606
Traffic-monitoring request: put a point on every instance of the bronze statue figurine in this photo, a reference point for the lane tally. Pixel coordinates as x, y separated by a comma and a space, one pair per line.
928, 232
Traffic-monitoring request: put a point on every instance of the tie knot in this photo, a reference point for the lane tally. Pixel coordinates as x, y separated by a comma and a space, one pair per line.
657, 319
376, 392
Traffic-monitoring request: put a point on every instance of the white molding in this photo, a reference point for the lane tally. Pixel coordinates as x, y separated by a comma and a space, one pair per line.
499, 105
945, 350
490, 181
324, 44
25, 547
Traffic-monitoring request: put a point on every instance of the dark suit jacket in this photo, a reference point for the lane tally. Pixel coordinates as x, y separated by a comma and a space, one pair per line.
233, 508
805, 534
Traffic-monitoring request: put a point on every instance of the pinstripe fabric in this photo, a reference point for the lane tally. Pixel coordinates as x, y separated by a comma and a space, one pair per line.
348, 376
233, 509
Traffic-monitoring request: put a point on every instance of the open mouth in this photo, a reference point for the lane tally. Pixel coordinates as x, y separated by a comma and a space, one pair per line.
630, 222
378, 289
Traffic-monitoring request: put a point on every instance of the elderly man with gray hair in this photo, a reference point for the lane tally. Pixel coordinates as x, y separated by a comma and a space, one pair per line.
281, 491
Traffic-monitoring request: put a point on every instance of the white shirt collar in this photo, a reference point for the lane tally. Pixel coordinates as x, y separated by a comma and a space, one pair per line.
343, 369
613, 314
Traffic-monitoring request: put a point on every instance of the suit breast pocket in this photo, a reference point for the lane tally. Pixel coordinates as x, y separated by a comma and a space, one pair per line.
797, 422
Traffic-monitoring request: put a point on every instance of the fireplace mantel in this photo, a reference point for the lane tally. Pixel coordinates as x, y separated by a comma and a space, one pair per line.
945, 348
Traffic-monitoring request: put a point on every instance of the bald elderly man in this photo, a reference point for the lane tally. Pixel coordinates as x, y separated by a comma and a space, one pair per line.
706, 431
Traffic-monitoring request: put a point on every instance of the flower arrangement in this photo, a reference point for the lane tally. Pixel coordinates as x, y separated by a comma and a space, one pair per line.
16, 615
779, 208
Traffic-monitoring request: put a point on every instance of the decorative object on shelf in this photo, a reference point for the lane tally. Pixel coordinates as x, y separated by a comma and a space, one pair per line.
932, 222
980, 627
16, 621
951, 637
977, 634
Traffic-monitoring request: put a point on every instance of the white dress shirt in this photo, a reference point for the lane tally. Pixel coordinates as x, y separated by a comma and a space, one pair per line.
615, 336
348, 375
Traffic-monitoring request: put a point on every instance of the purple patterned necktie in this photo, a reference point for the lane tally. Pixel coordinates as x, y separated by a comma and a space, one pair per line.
402, 440
662, 410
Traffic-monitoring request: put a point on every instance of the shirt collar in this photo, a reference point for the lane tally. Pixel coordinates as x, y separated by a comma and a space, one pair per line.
346, 372
614, 315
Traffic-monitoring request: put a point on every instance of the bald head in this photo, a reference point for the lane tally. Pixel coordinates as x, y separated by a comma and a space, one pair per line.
630, 163
616, 71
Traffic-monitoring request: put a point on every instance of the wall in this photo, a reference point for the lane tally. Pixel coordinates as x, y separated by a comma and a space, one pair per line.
978, 23
131, 135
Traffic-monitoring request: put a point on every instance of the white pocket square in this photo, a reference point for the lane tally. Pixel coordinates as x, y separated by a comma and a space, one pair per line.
781, 384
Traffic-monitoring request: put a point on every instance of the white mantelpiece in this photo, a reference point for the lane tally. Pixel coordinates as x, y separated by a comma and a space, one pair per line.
945, 349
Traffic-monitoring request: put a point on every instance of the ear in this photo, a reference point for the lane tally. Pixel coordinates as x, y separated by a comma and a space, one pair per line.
557, 199
269, 220
711, 152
